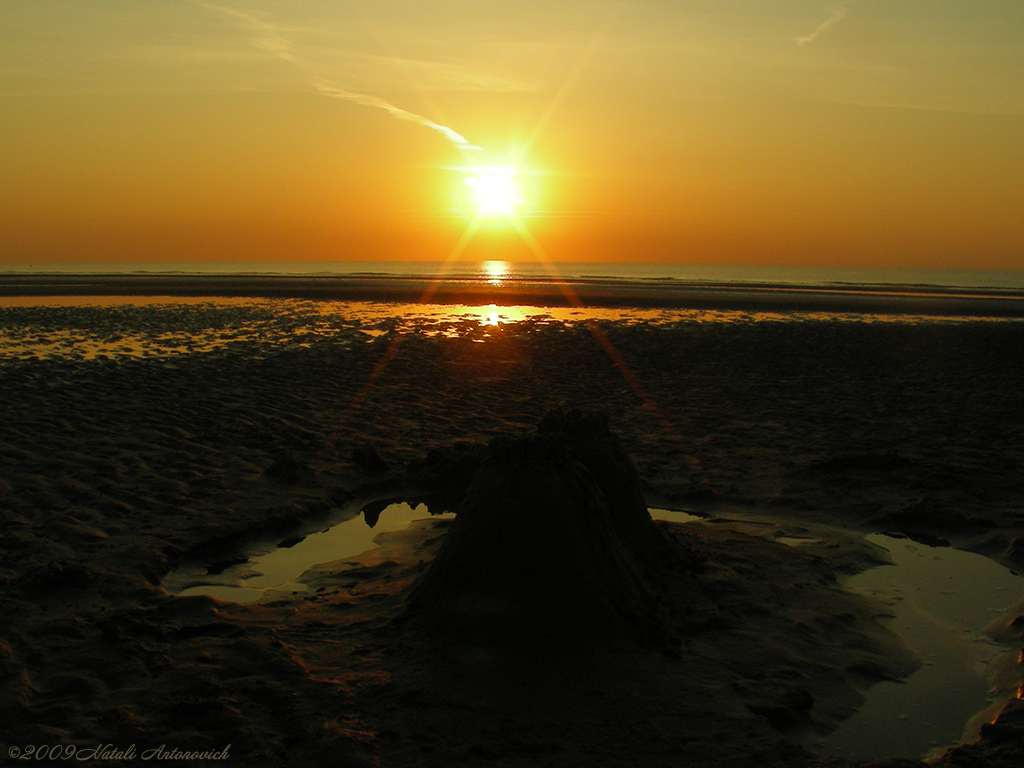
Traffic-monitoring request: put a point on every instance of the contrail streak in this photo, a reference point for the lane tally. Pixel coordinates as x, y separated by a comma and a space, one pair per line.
837, 15
270, 39
402, 114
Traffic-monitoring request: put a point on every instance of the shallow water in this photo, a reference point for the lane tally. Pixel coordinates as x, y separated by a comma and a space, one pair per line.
942, 598
275, 571
121, 327
673, 516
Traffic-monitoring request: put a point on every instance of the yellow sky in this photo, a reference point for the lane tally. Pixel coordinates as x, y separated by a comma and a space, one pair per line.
859, 133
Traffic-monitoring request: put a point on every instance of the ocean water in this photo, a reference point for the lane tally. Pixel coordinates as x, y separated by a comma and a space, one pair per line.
124, 310
832, 277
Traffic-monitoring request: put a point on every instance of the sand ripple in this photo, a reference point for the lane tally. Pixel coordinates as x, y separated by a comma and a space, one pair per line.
134, 436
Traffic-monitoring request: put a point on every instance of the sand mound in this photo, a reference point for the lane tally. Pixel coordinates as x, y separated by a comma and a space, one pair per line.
553, 541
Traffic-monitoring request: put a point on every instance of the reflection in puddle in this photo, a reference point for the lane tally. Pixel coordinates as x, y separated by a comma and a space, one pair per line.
117, 327
795, 541
941, 598
276, 571
673, 516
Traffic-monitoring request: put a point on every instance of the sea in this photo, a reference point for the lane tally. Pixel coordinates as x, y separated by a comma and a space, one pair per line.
804, 276
153, 309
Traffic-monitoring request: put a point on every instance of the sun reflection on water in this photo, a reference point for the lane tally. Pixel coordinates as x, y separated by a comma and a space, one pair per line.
117, 327
495, 272
493, 315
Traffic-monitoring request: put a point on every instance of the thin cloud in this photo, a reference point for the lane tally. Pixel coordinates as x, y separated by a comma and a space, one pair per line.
402, 114
837, 15
271, 38
442, 76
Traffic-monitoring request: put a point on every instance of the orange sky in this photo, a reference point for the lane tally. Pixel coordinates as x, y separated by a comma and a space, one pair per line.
860, 133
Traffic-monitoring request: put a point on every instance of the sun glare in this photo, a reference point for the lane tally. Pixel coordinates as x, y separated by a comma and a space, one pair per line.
495, 271
492, 316
495, 189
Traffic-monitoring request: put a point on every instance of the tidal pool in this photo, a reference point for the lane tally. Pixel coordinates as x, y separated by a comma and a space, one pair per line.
942, 599
275, 571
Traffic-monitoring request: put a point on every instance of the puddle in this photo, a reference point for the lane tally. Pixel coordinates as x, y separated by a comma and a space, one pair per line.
673, 516
276, 571
795, 541
85, 328
942, 598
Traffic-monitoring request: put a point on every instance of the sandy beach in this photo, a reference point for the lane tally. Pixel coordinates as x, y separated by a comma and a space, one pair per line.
550, 290
138, 437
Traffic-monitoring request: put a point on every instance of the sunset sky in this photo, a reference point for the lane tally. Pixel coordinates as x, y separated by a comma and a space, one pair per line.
857, 133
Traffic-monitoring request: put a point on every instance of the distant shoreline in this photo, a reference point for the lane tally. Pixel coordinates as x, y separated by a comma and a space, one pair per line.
584, 292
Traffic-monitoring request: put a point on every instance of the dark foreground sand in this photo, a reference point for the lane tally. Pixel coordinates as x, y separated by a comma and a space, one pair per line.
116, 470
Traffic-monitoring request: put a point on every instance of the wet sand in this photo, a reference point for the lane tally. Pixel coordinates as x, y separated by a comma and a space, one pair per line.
120, 467
552, 291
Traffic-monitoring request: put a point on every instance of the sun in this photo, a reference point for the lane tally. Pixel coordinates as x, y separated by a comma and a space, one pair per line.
495, 189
